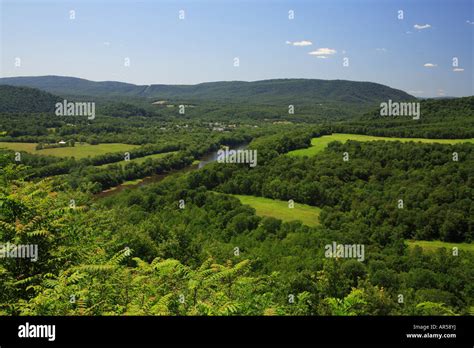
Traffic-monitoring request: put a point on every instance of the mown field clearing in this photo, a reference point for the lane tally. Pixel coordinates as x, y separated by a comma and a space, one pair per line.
139, 159
78, 151
433, 245
307, 214
132, 182
26, 147
319, 144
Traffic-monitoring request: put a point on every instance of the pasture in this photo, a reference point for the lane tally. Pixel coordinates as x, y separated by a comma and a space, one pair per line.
319, 144
307, 214
78, 151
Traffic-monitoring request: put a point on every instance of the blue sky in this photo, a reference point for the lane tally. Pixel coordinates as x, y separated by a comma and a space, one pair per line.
414, 54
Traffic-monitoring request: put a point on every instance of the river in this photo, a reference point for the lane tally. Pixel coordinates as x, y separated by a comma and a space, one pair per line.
205, 160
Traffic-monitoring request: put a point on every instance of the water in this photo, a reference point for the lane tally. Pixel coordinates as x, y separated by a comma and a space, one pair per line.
205, 160
212, 157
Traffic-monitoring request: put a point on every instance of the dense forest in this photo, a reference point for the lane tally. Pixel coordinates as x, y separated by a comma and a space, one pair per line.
440, 118
26, 100
186, 245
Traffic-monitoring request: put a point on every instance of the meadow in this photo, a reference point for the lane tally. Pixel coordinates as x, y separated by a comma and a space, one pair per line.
433, 245
78, 151
307, 214
319, 144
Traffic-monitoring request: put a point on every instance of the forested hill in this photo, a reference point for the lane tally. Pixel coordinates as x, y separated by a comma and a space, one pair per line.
25, 99
439, 118
439, 109
288, 91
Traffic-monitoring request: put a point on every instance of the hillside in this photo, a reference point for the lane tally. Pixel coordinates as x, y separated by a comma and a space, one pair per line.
24, 99
288, 91
439, 118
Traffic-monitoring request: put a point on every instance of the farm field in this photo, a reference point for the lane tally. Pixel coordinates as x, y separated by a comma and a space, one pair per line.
139, 159
78, 151
307, 214
435, 244
319, 144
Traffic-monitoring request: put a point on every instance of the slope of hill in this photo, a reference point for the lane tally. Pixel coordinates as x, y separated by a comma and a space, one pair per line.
291, 91
439, 118
25, 99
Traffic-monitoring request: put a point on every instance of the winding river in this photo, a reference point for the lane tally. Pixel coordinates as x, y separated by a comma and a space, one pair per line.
205, 160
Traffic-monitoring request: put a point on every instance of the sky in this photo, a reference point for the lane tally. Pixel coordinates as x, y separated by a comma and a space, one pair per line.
426, 50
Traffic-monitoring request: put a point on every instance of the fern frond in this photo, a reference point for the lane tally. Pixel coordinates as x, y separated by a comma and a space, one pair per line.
39, 233
119, 257
7, 227
229, 308
33, 222
75, 278
169, 266
161, 307
206, 264
95, 268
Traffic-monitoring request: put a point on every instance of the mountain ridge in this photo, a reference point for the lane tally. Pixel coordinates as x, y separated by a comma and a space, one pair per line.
308, 91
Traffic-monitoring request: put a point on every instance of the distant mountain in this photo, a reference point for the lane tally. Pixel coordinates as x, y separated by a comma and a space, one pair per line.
446, 97
25, 99
288, 91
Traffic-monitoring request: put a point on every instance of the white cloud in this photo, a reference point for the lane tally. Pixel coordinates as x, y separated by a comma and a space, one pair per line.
469, 22
408, 32
302, 43
322, 57
381, 49
416, 92
299, 43
458, 69
106, 43
323, 52
421, 26
430, 65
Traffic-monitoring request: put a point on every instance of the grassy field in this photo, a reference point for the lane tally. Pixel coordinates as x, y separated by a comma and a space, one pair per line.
26, 147
435, 244
139, 159
307, 214
319, 144
78, 151
132, 182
